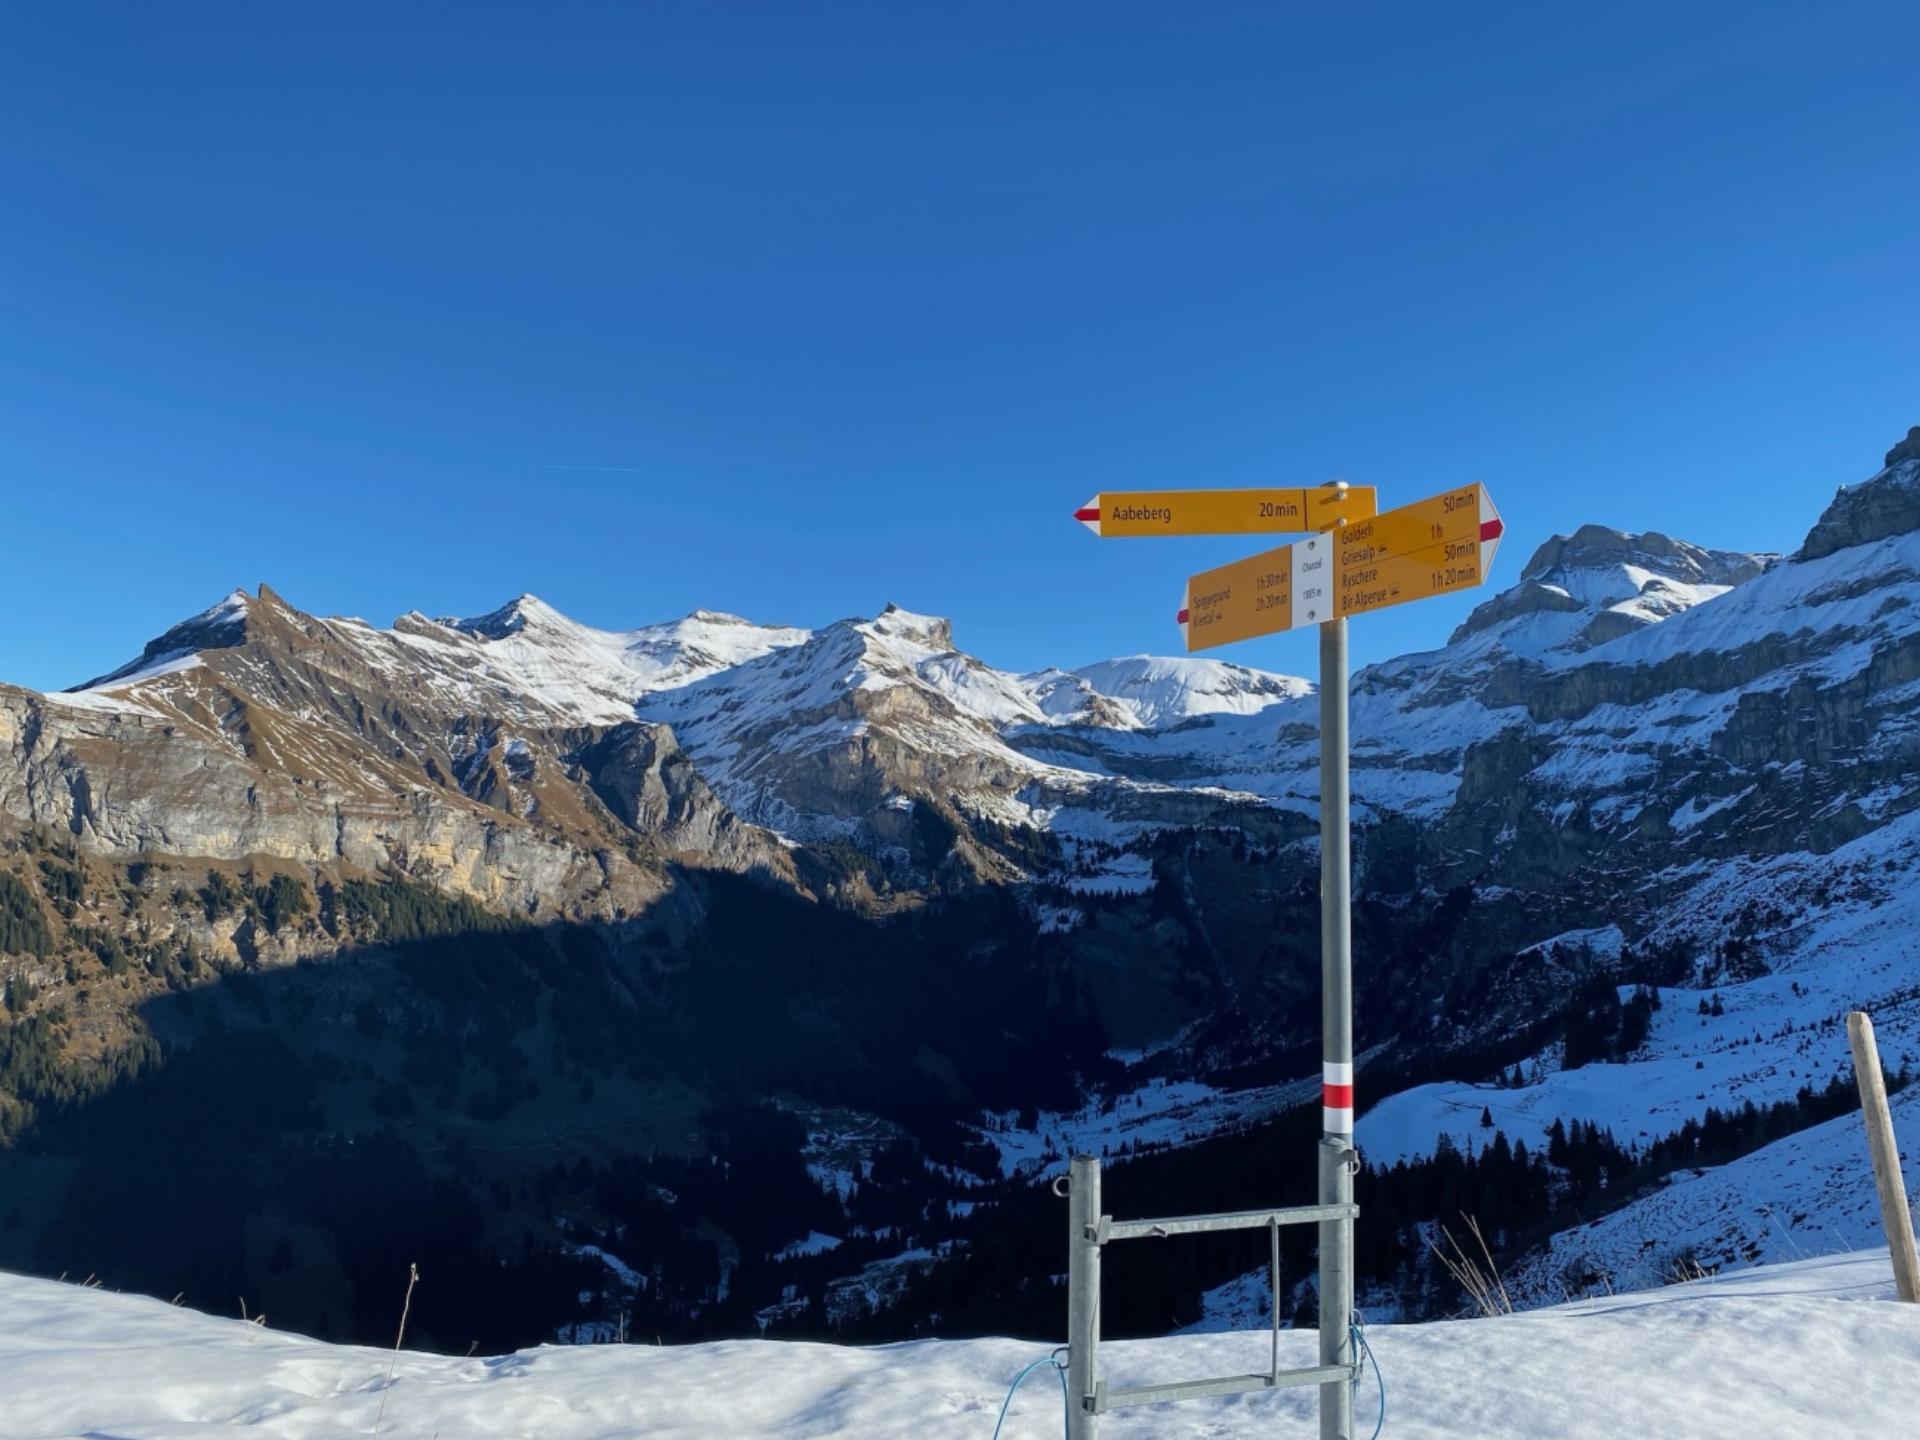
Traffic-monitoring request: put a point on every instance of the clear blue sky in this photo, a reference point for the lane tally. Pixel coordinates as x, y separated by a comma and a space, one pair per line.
794, 309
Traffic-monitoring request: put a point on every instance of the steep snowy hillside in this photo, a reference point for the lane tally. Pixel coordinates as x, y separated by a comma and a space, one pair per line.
1794, 1352
1810, 1194
852, 732
1838, 937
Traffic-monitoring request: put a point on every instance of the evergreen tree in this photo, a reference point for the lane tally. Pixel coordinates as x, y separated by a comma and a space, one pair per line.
1557, 1143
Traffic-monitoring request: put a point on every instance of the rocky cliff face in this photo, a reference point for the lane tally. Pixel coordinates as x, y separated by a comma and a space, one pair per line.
1596, 745
327, 743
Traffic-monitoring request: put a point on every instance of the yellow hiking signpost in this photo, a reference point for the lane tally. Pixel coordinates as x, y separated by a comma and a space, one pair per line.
1360, 561
1432, 547
1128, 514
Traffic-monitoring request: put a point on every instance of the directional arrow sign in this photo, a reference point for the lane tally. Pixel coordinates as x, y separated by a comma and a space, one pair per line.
1377, 565
1432, 547
1128, 513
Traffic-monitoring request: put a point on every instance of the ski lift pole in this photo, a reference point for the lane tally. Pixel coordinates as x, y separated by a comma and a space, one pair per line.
1336, 1027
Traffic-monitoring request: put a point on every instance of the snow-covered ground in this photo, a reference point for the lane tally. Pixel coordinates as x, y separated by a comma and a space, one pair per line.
1814, 1349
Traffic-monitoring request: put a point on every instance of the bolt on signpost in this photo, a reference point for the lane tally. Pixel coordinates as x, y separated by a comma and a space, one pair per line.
1361, 561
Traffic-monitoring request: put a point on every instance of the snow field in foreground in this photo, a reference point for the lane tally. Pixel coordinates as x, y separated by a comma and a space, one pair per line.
1810, 1349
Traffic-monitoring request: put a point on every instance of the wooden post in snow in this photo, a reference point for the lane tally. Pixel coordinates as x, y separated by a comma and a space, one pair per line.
1886, 1157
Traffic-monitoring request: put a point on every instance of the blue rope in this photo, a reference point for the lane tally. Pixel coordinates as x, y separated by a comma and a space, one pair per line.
1360, 1339
1020, 1379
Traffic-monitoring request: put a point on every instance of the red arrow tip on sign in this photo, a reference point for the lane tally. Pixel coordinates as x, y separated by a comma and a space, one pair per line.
1181, 618
1091, 512
1492, 529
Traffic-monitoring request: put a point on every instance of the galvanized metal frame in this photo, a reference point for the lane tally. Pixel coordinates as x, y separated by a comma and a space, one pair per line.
1090, 1232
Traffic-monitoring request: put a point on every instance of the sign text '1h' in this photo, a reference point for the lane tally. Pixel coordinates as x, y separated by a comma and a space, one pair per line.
1432, 547
1124, 514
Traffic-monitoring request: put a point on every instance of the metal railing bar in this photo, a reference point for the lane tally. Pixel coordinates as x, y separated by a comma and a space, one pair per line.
1106, 1399
1110, 1229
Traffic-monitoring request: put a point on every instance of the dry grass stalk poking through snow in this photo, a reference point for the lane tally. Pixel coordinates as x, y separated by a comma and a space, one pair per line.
406, 1308
1479, 1278
1688, 1269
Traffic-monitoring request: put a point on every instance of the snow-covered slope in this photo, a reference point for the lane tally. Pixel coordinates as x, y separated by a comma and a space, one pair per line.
1792, 1352
1811, 1194
1776, 1032
1155, 692
851, 729
1596, 585
843, 735
526, 654
550, 655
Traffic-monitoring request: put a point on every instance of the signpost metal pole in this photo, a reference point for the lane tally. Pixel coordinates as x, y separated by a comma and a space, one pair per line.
1083, 1296
1336, 1027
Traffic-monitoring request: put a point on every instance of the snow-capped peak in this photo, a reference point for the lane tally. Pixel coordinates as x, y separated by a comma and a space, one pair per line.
701, 643
1153, 692
518, 614
236, 604
1597, 584
713, 617
221, 624
600, 674
894, 622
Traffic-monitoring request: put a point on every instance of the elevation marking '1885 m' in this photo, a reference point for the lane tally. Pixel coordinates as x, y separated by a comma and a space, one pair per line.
1431, 547
1125, 514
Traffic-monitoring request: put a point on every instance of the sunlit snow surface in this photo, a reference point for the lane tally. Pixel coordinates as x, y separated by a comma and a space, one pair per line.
1805, 1350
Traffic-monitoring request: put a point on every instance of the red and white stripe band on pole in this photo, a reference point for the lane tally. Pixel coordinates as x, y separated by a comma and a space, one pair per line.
1336, 1098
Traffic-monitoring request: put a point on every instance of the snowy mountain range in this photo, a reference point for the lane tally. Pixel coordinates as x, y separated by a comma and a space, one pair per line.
1646, 762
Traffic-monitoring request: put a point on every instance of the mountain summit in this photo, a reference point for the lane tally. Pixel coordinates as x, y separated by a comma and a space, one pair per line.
1597, 584
1886, 505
